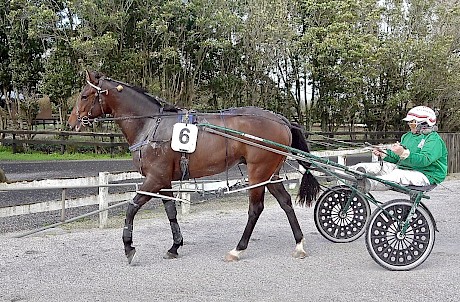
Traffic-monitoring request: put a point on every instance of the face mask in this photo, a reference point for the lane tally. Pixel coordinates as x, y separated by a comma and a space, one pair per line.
424, 128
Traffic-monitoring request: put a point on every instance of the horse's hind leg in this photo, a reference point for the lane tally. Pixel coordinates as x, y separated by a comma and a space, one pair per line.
256, 206
178, 241
284, 199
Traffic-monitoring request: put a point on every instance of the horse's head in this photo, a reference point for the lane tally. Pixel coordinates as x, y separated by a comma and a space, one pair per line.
91, 103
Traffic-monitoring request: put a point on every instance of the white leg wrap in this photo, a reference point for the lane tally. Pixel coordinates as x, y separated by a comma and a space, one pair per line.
233, 255
299, 251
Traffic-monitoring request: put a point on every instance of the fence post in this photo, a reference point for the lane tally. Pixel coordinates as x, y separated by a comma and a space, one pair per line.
103, 198
112, 141
15, 150
63, 198
63, 146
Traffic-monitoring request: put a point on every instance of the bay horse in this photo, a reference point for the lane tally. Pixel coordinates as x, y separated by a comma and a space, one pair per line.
147, 124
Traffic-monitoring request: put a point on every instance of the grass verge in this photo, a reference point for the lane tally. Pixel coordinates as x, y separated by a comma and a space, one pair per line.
6, 154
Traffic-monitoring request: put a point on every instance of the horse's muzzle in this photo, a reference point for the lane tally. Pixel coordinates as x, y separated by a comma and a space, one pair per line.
74, 126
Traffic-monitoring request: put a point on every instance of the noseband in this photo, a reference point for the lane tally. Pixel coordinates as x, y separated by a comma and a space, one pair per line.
85, 120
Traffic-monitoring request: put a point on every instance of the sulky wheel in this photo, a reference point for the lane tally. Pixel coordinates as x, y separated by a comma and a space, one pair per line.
341, 214
396, 251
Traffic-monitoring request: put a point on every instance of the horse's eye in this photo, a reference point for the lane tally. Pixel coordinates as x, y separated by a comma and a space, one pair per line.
84, 97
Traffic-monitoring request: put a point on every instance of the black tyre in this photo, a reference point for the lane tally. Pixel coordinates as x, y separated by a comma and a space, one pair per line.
333, 222
392, 250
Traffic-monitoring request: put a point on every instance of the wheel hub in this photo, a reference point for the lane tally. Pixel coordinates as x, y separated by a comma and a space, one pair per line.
342, 215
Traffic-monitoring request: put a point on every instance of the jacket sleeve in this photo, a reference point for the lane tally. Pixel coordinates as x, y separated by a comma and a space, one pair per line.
429, 153
392, 157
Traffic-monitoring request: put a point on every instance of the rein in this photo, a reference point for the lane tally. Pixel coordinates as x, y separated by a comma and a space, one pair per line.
87, 120
337, 143
123, 118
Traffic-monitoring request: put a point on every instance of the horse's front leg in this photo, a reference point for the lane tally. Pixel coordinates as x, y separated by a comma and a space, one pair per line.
178, 241
256, 206
133, 207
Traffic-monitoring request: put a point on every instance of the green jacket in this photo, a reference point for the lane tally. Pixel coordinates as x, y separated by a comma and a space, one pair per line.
428, 154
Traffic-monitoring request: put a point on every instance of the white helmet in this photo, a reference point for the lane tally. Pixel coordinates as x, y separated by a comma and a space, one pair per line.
421, 114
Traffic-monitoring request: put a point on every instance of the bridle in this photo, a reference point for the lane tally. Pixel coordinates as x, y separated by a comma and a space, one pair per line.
86, 120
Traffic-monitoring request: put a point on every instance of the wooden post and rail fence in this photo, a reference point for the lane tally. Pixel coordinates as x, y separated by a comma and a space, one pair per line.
105, 180
107, 200
113, 142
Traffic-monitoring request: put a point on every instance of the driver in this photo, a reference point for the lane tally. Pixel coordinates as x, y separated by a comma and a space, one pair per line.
420, 158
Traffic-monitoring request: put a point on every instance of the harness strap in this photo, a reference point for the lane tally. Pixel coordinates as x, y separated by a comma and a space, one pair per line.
138, 145
150, 137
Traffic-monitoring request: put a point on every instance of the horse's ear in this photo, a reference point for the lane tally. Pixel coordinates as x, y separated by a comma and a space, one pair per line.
88, 76
91, 77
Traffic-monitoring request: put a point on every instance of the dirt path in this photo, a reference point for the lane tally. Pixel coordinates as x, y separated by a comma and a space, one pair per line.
89, 265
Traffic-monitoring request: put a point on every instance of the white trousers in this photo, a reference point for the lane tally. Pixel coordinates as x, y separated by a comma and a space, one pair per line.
390, 172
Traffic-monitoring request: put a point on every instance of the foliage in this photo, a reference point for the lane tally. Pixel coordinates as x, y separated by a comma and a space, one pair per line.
5, 74
332, 62
338, 41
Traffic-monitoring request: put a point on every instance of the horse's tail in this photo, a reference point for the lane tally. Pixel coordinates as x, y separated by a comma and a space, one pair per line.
309, 186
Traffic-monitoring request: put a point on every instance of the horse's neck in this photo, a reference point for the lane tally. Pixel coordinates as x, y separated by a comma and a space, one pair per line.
136, 124
135, 130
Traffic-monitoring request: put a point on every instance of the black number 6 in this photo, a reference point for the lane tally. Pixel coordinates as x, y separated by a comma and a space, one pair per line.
184, 136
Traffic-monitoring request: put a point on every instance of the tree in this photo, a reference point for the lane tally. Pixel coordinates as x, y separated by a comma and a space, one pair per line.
436, 80
417, 60
330, 61
337, 39
24, 61
53, 23
5, 74
60, 78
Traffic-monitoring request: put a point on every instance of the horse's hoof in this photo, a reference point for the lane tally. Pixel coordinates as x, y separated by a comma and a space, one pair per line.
299, 251
170, 255
130, 255
232, 256
299, 254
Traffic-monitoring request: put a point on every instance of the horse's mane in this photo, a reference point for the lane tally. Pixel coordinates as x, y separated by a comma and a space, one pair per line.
157, 100
154, 99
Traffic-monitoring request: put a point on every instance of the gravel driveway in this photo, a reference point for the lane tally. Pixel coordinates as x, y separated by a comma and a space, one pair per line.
88, 264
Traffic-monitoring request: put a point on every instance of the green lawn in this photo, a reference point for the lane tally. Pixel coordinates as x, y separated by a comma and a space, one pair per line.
7, 154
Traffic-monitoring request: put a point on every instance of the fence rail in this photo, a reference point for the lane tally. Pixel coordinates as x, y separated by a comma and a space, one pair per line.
16, 138
114, 141
106, 180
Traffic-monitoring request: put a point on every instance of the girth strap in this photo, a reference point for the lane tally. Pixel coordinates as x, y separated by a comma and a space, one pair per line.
184, 167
